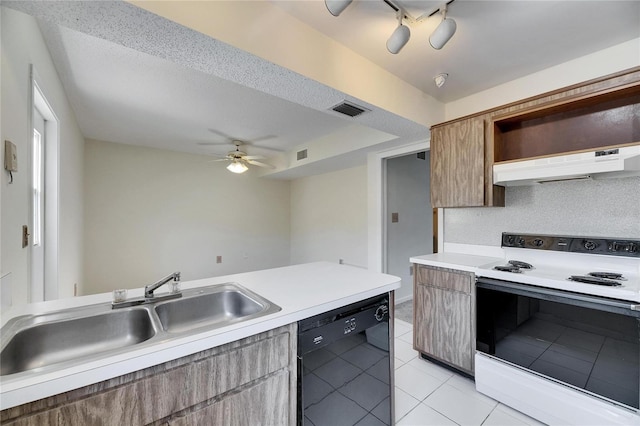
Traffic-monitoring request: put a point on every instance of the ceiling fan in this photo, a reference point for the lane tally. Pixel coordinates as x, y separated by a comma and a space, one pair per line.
240, 160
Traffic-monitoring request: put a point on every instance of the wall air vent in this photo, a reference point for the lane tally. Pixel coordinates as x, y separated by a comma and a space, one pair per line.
349, 109
301, 155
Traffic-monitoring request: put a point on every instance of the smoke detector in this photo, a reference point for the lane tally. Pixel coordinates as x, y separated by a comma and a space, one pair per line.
440, 79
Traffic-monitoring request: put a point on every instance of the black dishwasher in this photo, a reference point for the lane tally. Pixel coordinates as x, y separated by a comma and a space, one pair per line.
344, 366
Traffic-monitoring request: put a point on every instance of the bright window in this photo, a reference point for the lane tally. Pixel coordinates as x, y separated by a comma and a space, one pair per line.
37, 188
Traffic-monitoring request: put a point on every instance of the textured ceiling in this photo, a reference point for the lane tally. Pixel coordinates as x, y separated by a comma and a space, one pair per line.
495, 41
134, 77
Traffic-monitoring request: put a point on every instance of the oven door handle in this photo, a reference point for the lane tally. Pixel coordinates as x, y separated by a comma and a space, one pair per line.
553, 295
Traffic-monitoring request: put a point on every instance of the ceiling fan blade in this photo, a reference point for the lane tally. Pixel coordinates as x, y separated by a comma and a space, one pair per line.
213, 144
220, 158
219, 133
259, 164
267, 148
253, 157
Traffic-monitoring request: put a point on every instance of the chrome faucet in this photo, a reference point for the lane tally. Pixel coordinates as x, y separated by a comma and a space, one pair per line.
149, 297
149, 289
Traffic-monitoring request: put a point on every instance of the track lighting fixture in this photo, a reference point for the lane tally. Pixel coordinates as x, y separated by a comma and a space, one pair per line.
399, 37
443, 33
336, 7
237, 167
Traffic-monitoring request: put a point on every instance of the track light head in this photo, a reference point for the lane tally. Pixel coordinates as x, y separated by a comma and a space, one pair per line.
399, 37
443, 33
336, 7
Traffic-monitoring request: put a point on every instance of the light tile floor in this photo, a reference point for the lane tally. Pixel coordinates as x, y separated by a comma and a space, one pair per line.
427, 394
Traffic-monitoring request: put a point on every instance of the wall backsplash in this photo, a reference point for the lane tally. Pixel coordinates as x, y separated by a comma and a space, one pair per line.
605, 207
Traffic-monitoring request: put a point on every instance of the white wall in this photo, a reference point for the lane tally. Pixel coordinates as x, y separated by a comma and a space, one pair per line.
608, 61
329, 217
151, 212
408, 194
564, 207
22, 45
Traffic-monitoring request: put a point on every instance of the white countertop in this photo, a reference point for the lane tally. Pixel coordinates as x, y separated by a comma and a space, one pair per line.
460, 261
300, 290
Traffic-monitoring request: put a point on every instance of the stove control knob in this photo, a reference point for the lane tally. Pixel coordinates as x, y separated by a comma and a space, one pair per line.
628, 247
538, 242
590, 245
521, 242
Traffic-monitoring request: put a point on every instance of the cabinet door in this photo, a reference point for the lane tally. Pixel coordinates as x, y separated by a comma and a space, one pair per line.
457, 164
443, 325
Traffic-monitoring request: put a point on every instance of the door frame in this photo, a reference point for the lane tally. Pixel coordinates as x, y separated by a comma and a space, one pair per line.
376, 179
38, 100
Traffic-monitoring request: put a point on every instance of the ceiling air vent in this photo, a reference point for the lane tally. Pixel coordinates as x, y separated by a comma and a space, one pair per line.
302, 154
349, 109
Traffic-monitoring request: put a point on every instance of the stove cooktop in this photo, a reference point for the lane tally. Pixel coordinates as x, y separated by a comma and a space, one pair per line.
567, 263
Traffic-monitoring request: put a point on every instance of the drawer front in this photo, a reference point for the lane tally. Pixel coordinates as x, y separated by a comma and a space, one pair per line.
441, 278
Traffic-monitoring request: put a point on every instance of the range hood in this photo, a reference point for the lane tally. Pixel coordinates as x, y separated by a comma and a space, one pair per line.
618, 162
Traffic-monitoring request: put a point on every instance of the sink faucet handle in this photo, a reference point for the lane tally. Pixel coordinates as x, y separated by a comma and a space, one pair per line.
173, 278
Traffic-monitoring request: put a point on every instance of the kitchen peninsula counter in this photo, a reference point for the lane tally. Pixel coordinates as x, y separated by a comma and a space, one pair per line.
300, 290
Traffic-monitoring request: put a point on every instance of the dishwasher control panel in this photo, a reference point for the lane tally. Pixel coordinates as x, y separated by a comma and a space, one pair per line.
324, 329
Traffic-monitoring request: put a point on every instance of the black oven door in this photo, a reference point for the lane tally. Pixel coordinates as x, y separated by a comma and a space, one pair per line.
587, 342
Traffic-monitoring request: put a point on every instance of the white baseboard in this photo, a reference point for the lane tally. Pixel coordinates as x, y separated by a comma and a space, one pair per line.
404, 299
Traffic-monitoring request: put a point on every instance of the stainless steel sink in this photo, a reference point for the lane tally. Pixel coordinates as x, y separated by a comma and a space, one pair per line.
44, 340
38, 343
212, 307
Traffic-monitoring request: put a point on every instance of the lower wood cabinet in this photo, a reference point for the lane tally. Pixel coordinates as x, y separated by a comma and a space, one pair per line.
248, 382
444, 316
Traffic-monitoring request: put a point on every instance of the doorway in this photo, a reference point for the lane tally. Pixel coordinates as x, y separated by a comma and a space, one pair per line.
43, 197
377, 205
409, 217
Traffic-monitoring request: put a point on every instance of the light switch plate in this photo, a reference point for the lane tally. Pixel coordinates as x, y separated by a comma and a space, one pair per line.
394, 217
25, 236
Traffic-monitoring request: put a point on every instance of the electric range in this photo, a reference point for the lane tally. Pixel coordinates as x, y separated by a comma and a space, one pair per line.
558, 328
610, 267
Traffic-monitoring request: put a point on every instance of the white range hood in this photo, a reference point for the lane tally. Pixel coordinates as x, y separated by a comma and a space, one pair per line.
618, 162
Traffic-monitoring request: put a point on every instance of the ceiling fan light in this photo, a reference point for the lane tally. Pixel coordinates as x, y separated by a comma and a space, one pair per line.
336, 7
237, 167
443, 33
398, 39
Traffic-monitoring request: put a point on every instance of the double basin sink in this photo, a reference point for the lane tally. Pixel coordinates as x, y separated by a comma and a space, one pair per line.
46, 342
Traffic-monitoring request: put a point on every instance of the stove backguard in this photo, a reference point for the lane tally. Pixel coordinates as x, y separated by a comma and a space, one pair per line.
571, 244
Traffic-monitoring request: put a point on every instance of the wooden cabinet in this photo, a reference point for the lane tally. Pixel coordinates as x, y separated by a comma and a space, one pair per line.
600, 113
444, 316
251, 381
457, 164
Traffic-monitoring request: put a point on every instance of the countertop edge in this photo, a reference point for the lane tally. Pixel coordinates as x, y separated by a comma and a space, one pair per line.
459, 261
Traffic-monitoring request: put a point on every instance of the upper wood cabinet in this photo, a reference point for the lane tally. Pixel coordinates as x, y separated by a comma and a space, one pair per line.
598, 113
460, 169
457, 165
